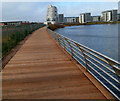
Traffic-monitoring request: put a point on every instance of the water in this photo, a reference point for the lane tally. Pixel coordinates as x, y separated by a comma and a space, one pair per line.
102, 38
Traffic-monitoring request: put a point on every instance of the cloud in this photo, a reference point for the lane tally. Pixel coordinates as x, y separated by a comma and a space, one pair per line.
36, 11
81, 7
22, 11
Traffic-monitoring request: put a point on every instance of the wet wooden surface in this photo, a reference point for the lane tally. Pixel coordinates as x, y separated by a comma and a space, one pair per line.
41, 70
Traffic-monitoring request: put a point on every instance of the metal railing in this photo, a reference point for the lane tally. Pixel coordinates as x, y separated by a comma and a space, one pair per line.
103, 68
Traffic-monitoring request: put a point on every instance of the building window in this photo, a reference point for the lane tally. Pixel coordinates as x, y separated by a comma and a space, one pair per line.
48, 19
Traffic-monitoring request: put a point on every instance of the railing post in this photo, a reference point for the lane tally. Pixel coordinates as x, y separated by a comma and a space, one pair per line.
58, 39
64, 43
71, 48
85, 57
116, 70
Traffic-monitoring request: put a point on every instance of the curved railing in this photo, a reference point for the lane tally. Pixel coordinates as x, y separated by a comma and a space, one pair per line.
103, 68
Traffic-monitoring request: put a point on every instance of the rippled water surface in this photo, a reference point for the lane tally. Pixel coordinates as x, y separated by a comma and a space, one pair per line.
102, 38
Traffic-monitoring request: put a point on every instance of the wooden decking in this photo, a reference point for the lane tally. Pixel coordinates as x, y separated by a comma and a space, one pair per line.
42, 70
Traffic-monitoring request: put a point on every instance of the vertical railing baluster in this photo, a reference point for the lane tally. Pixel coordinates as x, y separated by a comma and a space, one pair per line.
84, 56
64, 43
71, 48
116, 70
59, 40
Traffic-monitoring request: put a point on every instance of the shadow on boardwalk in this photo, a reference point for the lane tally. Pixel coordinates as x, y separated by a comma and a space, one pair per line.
42, 70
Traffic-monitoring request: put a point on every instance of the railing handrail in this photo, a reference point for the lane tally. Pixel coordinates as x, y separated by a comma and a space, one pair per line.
102, 55
105, 68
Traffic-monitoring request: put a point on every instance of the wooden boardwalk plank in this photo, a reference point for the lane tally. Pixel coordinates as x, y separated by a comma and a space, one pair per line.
41, 70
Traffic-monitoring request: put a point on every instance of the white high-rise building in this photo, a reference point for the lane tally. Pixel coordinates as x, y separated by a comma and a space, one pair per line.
52, 15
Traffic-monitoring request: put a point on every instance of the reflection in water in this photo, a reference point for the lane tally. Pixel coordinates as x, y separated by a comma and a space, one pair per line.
102, 38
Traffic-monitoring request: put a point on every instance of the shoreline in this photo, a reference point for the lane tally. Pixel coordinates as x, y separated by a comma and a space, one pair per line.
62, 25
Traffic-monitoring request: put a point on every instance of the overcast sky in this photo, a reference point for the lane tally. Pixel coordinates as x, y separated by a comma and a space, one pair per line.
36, 11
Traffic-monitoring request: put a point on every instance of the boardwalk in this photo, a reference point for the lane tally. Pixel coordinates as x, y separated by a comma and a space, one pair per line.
42, 70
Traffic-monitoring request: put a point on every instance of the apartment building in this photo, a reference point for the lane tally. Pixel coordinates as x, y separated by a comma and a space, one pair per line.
61, 18
109, 15
70, 19
85, 17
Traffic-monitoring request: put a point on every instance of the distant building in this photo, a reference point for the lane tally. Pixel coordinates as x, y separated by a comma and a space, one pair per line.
118, 17
15, 23
2, 24
77, 19
52, 15
70, 19
85, 17
95, 18
61, 18
110, 15
119, 7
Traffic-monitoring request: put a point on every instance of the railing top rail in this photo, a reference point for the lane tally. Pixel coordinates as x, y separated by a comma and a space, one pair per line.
106, 57
103, 68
